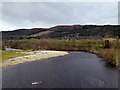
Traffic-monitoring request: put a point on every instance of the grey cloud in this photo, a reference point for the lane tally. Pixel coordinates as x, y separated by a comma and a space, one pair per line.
46, 14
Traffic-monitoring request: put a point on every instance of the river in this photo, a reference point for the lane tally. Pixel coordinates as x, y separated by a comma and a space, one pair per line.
76, 70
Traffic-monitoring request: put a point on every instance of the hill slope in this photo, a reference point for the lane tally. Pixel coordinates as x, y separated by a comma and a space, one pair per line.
64, 31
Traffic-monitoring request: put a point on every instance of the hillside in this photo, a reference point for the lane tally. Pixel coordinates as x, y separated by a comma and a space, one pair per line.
64, 32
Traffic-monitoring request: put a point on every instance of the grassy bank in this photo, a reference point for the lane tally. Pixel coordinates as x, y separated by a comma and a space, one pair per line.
7, 55
109, 53
119, 58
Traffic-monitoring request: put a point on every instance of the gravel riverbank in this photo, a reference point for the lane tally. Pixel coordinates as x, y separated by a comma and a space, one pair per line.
34, 55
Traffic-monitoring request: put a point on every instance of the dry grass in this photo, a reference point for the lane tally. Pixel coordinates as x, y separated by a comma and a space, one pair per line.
94, 46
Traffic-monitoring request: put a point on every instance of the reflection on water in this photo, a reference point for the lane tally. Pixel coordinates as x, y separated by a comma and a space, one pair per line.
8, 49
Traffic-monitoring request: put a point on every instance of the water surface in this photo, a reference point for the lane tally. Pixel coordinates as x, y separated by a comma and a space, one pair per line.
76, 70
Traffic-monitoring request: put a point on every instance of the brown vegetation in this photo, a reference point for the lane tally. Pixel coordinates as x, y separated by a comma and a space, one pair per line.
95, 46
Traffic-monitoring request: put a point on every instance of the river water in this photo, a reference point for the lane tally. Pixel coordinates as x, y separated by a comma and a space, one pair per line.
8, 49
76, 70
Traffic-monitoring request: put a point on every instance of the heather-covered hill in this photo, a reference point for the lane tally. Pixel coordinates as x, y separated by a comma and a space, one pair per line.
65, 32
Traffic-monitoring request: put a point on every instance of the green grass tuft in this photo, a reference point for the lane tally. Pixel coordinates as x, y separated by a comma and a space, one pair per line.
7, 55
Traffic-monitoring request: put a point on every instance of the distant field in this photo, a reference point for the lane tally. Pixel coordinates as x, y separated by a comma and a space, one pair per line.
111, 39
7, 55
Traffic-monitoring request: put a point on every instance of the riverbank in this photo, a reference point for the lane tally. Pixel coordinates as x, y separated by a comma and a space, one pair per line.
105, 48
11, 54
110, 55
32, 56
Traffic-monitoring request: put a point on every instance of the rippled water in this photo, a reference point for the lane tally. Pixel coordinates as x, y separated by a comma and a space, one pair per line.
76, 70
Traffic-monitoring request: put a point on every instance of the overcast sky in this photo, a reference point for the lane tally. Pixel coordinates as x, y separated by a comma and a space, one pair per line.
17, 15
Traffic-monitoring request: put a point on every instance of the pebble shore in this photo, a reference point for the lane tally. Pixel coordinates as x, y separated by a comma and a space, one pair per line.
33, 56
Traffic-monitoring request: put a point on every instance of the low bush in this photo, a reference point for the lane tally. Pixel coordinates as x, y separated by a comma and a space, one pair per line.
95, 46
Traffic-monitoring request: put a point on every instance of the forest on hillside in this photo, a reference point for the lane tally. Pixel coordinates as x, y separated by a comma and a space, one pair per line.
65, 32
